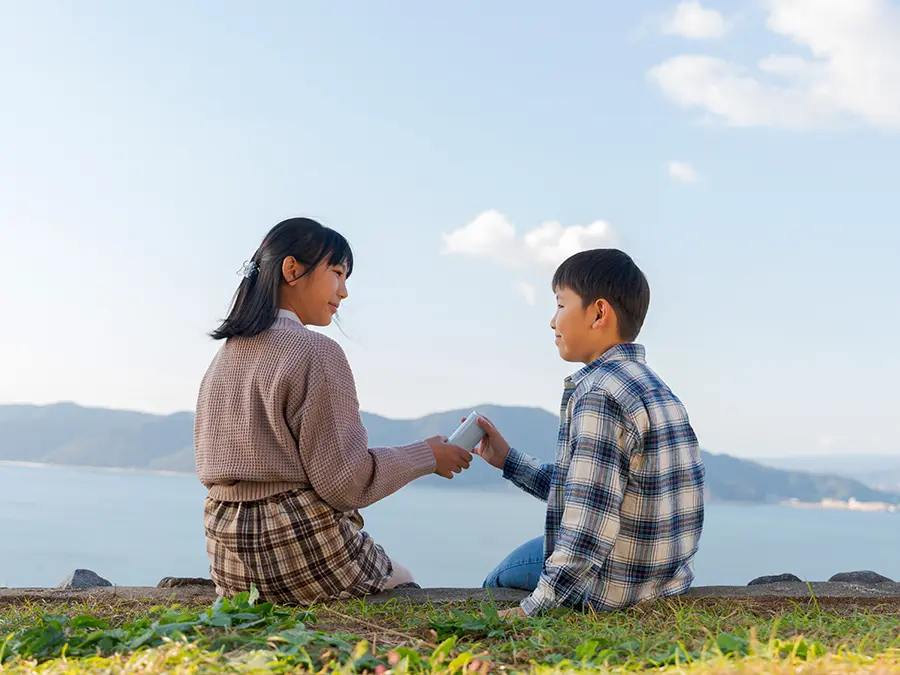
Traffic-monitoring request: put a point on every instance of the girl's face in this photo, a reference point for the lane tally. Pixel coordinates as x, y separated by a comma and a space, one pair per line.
314, 298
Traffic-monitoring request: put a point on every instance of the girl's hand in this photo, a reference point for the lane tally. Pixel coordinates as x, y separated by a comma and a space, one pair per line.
450, 459
493, 448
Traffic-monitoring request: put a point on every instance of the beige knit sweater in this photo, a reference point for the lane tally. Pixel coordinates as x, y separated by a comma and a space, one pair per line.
279, 411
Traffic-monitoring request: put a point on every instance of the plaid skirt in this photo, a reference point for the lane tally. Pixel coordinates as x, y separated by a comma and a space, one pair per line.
294, 547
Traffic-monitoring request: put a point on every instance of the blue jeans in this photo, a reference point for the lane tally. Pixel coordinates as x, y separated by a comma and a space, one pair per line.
521, 569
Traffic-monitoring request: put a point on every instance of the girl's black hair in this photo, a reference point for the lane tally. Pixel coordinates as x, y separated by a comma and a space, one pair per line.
255, 304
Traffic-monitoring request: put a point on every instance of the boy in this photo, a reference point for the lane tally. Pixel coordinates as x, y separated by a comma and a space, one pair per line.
625, 494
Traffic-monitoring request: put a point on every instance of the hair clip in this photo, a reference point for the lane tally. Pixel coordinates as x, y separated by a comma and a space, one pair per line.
248, 269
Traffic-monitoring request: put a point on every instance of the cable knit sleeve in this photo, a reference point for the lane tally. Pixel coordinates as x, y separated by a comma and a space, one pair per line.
333, 443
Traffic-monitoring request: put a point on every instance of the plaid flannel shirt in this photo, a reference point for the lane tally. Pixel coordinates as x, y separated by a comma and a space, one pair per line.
625, 494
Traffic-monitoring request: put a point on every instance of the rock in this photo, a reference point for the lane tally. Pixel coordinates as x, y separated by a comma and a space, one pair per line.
175, 582
84, 579
866, 577
775, 579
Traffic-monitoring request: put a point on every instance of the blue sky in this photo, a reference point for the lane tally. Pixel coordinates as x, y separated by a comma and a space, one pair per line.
146, 148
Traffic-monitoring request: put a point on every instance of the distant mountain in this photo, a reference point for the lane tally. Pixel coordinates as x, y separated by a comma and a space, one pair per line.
73, 435
881, 472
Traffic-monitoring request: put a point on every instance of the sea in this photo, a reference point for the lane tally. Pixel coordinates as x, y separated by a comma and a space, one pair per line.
135, 528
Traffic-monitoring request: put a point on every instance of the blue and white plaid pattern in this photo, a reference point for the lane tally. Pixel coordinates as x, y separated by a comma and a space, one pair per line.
625, 494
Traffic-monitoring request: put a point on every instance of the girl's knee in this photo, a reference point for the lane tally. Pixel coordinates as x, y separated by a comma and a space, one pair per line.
399, 576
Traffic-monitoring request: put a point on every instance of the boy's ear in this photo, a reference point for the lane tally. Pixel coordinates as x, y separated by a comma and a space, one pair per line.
597, 310
601, 311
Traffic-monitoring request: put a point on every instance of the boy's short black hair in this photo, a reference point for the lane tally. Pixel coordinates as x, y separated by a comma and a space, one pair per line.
610, 274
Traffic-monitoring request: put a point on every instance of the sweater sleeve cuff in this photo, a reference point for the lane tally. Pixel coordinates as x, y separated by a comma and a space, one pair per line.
420, 457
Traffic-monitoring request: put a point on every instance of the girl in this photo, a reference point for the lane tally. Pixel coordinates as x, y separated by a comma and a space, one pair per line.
279, 442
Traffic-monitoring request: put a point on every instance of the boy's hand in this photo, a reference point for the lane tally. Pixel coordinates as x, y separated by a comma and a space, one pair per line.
512, 613
450, 459
493, 448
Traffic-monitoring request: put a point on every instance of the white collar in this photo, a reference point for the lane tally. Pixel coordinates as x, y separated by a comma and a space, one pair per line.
288, 314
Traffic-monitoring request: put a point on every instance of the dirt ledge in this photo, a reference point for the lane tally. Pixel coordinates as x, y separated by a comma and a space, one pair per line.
886, 592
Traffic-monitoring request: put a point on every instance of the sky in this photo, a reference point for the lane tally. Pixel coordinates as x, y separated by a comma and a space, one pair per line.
743, 153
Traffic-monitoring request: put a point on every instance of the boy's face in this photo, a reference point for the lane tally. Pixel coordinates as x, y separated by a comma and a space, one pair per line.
583, 334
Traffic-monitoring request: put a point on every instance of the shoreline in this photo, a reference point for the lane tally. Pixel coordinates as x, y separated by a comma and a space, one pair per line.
104, 469
850, 504
824, 505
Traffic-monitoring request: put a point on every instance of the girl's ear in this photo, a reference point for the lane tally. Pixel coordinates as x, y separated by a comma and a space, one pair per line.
291, 270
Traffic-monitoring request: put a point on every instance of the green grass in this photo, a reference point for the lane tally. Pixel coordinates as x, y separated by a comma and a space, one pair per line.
242, 635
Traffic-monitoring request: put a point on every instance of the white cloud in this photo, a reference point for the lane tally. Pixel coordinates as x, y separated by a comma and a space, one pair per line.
492, 236
550, 243
851, 70
488, 236
683, 172
527, 291
692, 20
